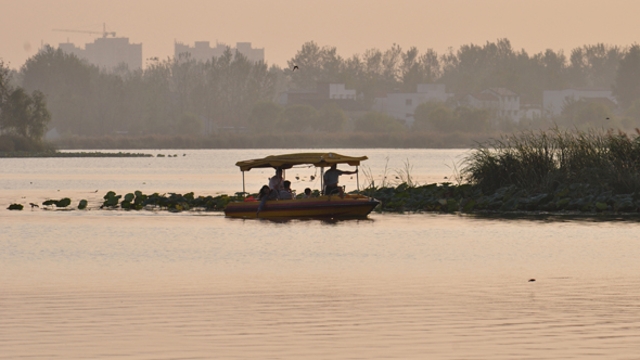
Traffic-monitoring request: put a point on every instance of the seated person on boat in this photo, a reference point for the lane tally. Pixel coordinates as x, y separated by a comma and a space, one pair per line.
307, 193
286, 193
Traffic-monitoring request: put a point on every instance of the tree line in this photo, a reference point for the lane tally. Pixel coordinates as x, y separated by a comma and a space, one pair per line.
23, 116
184, 96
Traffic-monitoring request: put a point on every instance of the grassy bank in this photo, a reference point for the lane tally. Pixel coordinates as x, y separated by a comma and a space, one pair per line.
57, 154
10, 143
15, 146
549, 171
277, 141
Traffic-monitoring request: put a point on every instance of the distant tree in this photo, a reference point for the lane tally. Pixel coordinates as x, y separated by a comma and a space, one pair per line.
265, 116
315, 64
430, 66
68, 84
594, 66
296, 118
632, 115
5, 81
330, 119
473, 120
376, 122
586, 114
411, 70
24, 115
627, 86
434, 115
190, 124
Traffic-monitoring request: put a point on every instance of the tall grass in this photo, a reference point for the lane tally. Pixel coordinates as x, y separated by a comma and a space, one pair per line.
540, 161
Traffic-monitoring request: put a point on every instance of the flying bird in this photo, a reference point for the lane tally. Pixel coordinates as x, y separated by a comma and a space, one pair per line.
34, 205
295, 67
532, 280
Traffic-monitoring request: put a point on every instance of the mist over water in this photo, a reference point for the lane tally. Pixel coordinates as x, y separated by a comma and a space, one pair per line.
156, 285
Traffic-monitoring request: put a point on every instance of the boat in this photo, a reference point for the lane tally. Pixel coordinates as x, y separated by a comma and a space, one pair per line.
351, 206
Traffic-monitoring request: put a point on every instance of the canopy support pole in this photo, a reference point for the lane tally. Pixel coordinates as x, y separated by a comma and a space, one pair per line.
357, 179
322, 181
243, 191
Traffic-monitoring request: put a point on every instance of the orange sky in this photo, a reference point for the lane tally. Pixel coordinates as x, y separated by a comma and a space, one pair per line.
281, 27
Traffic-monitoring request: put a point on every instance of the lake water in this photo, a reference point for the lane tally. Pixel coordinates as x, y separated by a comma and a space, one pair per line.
196, 285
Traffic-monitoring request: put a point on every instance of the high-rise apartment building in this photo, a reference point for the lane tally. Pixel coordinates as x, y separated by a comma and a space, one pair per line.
202, 50
108, 53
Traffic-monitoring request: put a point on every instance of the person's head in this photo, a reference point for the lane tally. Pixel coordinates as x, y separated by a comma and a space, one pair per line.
279, 172
287, 184
264, 189
307, 191
334, 166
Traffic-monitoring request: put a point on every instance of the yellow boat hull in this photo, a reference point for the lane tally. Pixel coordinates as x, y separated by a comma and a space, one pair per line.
351, 206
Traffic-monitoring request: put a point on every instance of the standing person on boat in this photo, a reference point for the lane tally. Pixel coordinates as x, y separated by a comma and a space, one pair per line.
276, 182
331, 180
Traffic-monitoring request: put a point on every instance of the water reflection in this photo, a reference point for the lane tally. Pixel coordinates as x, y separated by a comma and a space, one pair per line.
321, 220
554, 217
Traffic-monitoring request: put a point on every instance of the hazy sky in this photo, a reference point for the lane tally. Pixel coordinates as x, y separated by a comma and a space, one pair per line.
281, 27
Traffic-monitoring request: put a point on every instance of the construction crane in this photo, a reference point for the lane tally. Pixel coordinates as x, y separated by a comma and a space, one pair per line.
104, 32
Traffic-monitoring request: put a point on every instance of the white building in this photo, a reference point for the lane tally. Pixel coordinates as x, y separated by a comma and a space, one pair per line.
503, 102
338, 91
402, 106
108, 53
202, 51
553, 101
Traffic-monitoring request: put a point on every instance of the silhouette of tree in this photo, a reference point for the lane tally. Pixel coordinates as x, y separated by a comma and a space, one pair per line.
330, 119
265, 116
627, 86
24, 115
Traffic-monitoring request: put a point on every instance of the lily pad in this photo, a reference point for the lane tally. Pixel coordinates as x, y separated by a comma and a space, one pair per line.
83, 204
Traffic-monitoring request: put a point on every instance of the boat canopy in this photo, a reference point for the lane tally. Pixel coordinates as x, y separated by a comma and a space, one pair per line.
288, 161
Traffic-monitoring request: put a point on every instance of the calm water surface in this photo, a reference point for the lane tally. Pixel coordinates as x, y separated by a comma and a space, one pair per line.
154, 285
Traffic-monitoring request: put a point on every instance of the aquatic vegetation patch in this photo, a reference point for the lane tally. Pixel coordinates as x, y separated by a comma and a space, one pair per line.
466, 198
62, 203
82, 204
15, 207
173, 202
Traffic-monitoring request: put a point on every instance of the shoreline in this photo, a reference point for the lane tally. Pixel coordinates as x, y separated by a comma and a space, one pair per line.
57, 154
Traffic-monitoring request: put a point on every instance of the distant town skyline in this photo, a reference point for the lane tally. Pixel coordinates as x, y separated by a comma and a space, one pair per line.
281, 27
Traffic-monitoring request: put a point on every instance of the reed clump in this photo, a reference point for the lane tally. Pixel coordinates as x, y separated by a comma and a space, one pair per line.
543, 161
